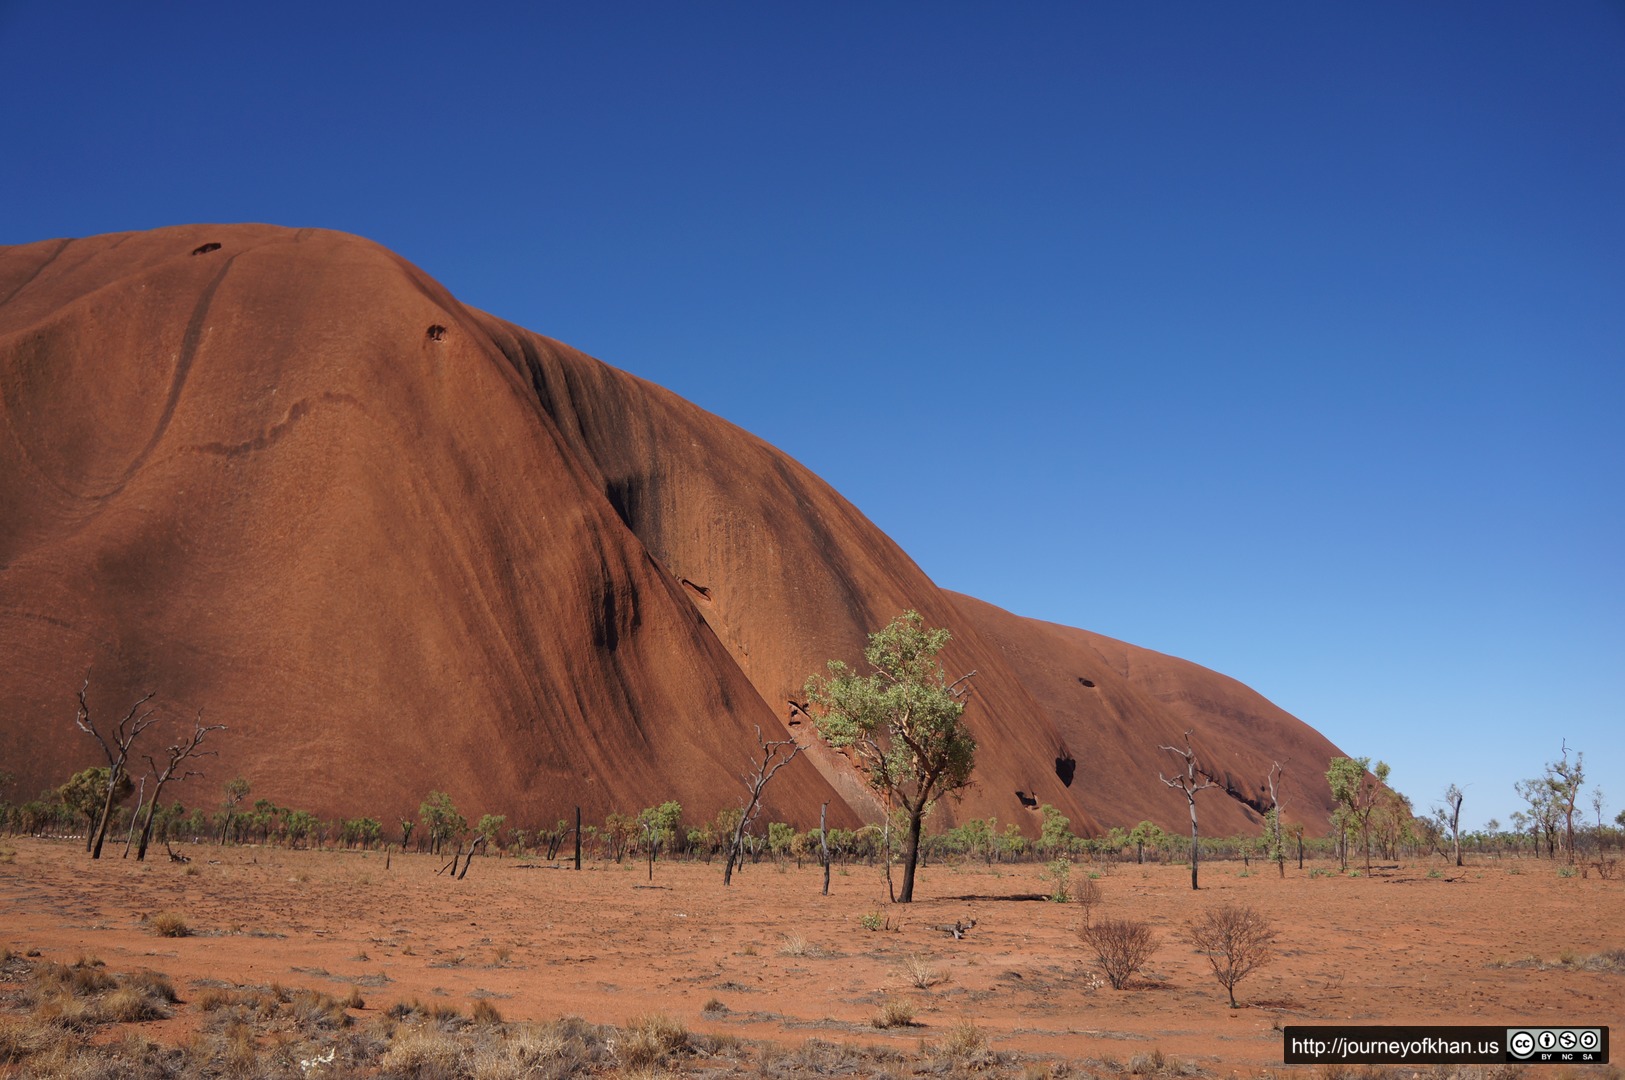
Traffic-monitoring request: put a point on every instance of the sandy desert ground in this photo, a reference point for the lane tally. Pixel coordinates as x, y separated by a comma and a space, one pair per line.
1494, 943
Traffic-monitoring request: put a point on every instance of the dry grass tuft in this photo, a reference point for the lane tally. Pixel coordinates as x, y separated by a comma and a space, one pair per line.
651, 1040
485, 1013
22, 1038
154, 984
130, 1005
919, 972
894, 1012
964, 1043
169, 924
423, 1050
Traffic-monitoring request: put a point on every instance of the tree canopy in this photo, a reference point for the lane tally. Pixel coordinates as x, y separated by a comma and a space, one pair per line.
902, 722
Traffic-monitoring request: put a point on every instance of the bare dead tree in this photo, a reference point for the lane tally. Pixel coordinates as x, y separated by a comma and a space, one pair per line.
1189, 781
123, 737
1277, 837
823, 845
774, 757
458, 855
129, 837
1449, 817
178, 752
1121, 947
1236, 941
468, 859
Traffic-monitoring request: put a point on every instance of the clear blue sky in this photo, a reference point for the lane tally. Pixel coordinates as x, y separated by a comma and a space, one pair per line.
1287, 338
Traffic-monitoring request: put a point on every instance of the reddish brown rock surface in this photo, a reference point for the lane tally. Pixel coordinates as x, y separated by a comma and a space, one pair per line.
398, 544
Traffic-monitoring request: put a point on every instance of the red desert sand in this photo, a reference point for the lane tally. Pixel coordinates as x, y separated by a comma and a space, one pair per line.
1506, 942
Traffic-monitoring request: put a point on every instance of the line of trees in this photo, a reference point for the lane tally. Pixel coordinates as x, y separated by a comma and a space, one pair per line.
902, 725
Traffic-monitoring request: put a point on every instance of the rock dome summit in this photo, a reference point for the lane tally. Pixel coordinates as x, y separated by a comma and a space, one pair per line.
397, 544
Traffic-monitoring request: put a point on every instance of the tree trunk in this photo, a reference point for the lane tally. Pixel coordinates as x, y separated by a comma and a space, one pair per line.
911, 854
113, 778
823, 844
129, 835
1191, 797
146, 832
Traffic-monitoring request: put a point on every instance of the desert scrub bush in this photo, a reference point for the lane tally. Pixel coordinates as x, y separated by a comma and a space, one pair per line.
651, 1040
211, 998
85, 977
919, 972
154, 984
128, 1005
314, 1009
445, 1014
1236, 941
1087, 896
403, 1010
894, 1012
22, 1038
423, 1050
964, 1043
872, 921
1121, 947
168, 924
1057, 872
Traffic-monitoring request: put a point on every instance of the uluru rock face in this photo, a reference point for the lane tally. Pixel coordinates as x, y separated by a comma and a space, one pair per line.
397, 544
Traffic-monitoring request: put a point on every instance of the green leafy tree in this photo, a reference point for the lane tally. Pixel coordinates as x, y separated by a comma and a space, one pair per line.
300, 826
488, 827
1565, 780
619, 831
236, 790
1146, 835
441, 819
263, 818
978, 838
779, 837
1356, 787
362, 832
1012, 843
659, 825
903, 721
86, 793
1055, 834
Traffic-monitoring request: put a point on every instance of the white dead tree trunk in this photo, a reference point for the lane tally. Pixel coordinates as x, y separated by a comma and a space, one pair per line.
1189, 781
1278, 839
771, 763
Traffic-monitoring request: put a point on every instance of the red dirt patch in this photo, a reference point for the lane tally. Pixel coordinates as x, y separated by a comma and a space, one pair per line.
1485, 946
